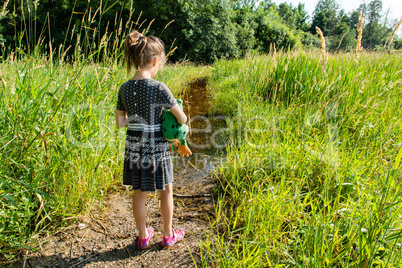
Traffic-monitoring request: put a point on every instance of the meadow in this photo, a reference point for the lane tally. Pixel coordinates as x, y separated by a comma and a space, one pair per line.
312, 172
312, 176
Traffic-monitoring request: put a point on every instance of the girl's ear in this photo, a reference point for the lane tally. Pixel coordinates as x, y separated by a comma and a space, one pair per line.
155, 61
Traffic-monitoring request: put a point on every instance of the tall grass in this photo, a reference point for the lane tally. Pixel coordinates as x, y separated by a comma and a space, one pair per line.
59, 147
94, 34
312, 176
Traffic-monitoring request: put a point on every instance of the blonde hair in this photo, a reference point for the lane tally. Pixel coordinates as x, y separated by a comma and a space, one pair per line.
140, 50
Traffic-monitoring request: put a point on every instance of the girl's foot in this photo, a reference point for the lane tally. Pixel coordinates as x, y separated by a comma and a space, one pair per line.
177, 235
144, 243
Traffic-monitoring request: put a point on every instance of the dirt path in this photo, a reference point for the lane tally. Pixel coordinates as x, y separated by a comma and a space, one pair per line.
106, 236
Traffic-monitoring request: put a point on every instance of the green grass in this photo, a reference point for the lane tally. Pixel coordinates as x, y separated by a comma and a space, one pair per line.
312, 176
59, 146
312, 173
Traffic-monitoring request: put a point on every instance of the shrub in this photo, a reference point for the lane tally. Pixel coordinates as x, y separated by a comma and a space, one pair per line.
271, 30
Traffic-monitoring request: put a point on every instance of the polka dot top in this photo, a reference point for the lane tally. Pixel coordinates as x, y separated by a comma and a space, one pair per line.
144, 99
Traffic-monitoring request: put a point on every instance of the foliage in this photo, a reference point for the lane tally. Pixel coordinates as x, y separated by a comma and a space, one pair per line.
398, 43
344, 37
228, 29
294, 17
211, 22
271, 31
340, 28
312, 176
325, 16
309, 40
244, 17
375, 32
202, 30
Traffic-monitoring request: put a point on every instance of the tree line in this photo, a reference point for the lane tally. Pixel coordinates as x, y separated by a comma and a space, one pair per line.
197, 30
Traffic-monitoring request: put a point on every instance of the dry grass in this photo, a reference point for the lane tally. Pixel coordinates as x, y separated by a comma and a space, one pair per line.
393, 33
324, 54
359, 38
4, 12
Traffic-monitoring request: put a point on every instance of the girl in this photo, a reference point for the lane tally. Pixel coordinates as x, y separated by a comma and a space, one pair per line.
147, 163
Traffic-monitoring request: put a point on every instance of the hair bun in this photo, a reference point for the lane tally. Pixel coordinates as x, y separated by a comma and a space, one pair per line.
140, 50
134, 38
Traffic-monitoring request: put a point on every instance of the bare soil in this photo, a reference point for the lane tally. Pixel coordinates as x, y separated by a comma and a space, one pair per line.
105, 237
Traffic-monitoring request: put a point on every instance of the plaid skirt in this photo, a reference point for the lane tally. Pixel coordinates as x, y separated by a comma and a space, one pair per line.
147, 161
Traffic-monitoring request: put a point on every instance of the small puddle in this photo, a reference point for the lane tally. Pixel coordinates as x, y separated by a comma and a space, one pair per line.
206, 140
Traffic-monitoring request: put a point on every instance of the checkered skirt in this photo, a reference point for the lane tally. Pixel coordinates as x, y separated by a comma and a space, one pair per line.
147, 161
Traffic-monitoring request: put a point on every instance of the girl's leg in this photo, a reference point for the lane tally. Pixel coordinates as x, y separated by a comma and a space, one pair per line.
167, 209
139, 199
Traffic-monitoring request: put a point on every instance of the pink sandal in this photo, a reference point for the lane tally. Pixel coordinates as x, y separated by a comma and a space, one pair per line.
168, 242
143, 243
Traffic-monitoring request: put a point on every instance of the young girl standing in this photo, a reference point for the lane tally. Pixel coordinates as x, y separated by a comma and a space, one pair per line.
147, 162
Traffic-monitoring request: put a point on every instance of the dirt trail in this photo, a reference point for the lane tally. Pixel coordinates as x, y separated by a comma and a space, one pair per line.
106, 236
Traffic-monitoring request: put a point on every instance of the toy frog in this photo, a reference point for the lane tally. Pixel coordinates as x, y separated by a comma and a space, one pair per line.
174, 131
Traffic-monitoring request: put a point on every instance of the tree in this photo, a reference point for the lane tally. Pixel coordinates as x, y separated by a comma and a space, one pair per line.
287, 14
344, 35
203, 30
374, 11
302, 18
325, 16
354, 19
213, 34
245, 21
271, 31
294, 17
267, 5
373, 29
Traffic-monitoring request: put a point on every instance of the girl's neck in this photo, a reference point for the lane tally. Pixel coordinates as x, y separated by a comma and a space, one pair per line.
149, 72
141, 75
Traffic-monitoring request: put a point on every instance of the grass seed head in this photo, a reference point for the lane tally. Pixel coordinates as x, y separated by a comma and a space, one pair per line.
394, 32
4, 12
4, 83
323, 46
359, 38
324, 55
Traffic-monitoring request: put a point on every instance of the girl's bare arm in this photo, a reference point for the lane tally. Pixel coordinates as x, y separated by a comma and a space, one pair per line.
121, 118
179, 114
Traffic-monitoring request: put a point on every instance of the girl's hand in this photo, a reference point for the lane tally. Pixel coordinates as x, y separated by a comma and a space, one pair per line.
179, 114
176, 144
121, 118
